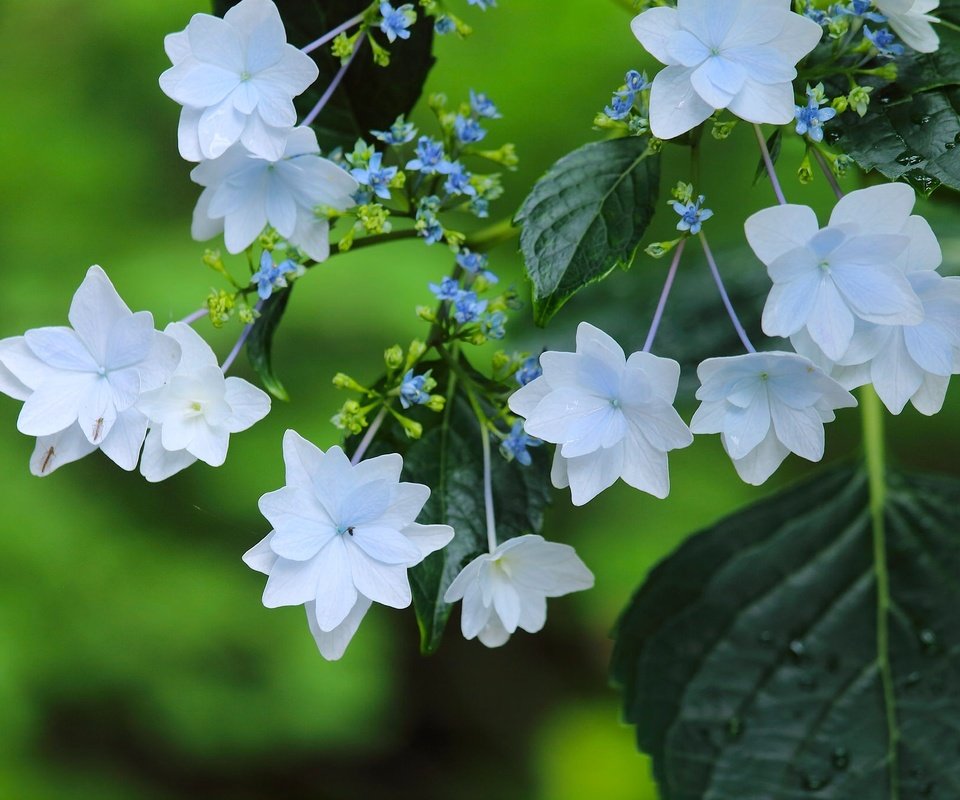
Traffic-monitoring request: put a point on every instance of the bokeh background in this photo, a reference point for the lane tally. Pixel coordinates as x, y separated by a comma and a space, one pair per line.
135, 658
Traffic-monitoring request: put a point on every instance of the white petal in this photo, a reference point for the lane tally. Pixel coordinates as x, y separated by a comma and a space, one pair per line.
61, 349
466, 578
896, 376
675, 107
122, 444
158, 464
878, 293
193, 83
591, 474
653, 29
923, 252
55, 404
550, 568
194, 350
382, 583
281, 209
558, 471
248, 404
20, 370
242, 227
333, 644
65, 447
204, 226
188, 136
97, 411
210, 444
475, 615
95, 309
762, 461
216, 42
798, 37
129, 341
264, 140
879, 209
760, 102
289, 76
493, 634
745, 428
219, 128
799, 430
830, 323
717, 80
260, 557
302, 525
260, 24
662, 373
686, 50
774, 232
928, 399
428, 538
533, 611
385, 545
312, 235
177, 46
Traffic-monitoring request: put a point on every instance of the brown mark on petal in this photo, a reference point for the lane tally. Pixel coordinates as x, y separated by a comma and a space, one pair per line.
46, 460
98, 429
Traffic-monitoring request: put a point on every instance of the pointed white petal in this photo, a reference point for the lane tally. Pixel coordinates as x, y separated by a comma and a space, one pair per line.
122, 444
333, 644
675, 107
158, 464
260, 557
760, 102
774, 232
65, 447
653, 29
95, 309
382, 583
428, 538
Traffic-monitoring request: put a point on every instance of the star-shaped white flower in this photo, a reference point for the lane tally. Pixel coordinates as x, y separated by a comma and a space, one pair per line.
764, 406
244, 193
508, 589
344, 536
735, 54
912, 21
236, 78
824, 280
905, 363
193, 415
86, 380
610, 417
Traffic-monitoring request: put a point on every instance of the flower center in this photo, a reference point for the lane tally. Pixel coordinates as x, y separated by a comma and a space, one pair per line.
615, 402
196, 405
342, 529
824, 266
245, 76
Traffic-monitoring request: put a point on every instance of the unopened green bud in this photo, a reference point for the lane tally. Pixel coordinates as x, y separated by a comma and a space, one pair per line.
350, 418
604, 123
220, 305
505, 155
436, 402
426, 313
437, 101
246, 314
501, 361
342, 381
841, 164
412, 428
817, 93
660, 249
393, 357
454, 238
346, 241
722, 130
838, 27
859, 98
399, 180
381, 56
805, 171
373, 218
343, 46
840, 104
415, 352
683, 192
212, 259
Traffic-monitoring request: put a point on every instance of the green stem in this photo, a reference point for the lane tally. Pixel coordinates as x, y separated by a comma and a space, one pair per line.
873, 441
487, 238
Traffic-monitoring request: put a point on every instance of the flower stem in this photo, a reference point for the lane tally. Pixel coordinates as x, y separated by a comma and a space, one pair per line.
231, 357
667, 286
725, 297
831, 178
315, 111
487, 466
873, 443
489, 237
332, 34
369, 436
199, 314
768, 163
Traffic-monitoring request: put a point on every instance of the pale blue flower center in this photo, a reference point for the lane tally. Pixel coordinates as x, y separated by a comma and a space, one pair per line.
245, 76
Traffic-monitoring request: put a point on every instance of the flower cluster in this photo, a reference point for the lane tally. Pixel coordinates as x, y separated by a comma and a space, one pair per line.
111, 382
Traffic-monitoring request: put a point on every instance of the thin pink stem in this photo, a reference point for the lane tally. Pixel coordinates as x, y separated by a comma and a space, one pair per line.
667, 286
725, 297
768, 163
831, 178
199, 314
232, 356
368, 437
315, 111
332, 34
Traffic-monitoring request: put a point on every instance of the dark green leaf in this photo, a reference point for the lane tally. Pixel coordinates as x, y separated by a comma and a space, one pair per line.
585, 217
260, 341
912, 127
448, 458
370, 97
750, 658
774, 145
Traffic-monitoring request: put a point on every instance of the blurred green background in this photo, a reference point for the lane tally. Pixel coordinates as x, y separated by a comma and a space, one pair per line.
135, 658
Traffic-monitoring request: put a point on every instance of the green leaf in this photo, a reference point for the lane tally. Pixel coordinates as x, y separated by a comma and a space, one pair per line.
370, 97
912, 127
448, 458
750, 659
260, 341
585, 217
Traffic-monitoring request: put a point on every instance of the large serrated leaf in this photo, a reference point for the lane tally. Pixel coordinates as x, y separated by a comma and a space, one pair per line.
260, 341
585, 217
912, 127
370, 97
751, 658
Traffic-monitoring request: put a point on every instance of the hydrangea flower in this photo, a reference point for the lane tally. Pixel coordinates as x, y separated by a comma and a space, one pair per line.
458, 181
636, 81
824, 280
413, 389
739, 55
236, 78
85, 380
621, 104
905, 363
243, 194
343, 536
492, 325
508, 588
885, 42
692, 215
376, 176
514, 446
447, 289
444, 25
395, 21
476, 264
483, 106
765, 406
429, 158
810, 118
529, 370
468, 130
427, 224
467, 307
610, 417
483, 5
861, 8
271, 275
401, 132
912, 21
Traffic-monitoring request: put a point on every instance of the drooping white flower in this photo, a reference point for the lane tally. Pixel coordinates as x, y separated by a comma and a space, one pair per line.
905, 363
736, 54
764, 406
244, 193
508, 589
89, 376
912, 21
610, 417
193, 414
824, 280
344, 535
236, 78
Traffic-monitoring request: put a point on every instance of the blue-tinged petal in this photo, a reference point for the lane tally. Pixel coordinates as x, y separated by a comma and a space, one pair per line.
653, 29
382, 583
675, 107
60, 348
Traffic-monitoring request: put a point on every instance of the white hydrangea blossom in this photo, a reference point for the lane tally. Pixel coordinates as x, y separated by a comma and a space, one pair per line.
193, 414
85, 381
610, 417
245, 193
508, 588
824, 280
765, 406
912, 21
905, 363
344, 536
236, 78
736, 54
